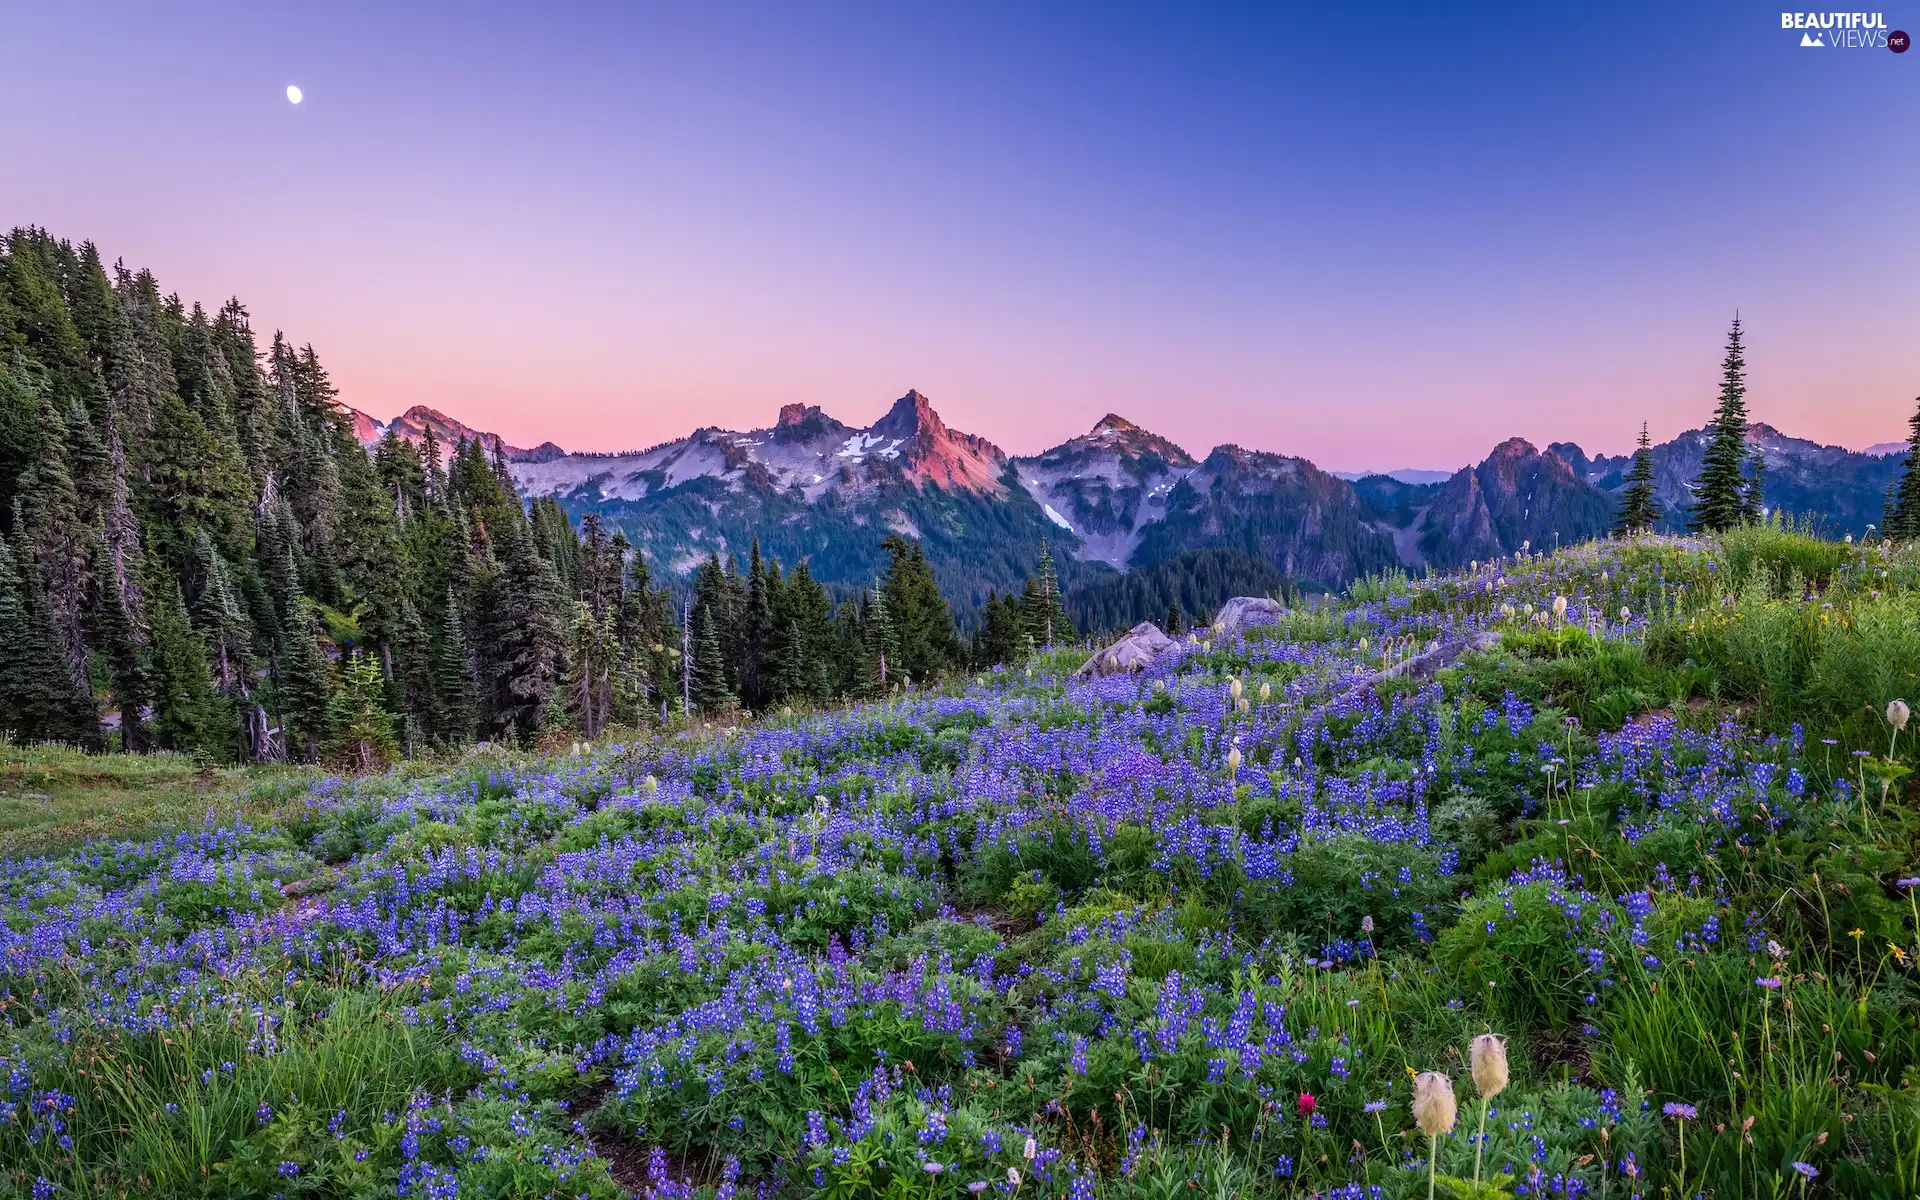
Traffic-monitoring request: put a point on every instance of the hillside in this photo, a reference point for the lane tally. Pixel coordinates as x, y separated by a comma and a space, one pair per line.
1191, 931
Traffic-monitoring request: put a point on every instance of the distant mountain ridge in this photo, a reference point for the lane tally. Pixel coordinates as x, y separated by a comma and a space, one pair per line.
1117, 498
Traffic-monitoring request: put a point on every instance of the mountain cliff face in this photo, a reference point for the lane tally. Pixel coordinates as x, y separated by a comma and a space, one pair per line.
1107, 486
1280, 509
1518, 496
1118, 498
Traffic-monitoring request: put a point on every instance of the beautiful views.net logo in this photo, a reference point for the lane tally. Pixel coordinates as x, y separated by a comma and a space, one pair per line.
1846, 31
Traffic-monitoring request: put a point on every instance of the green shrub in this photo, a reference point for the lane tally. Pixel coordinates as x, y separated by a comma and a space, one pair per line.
1520, 952
1781, 557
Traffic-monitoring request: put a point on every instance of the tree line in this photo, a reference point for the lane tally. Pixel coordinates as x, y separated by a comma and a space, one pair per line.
1731, 486
197, 554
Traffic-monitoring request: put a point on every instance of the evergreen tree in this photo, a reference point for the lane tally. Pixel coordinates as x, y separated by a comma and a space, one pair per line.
644, 628
529, 637
1638, 508
756, 630
805, 652
714, 613
921, 624
1042, 612
188, 714
415, 684
38, 697
223, 622
1002, 637
1903, 514
1059, 625
306, 685
553, 537
362, 728
123, 645
56, 541
1722, 496
459, 703
709, 665
590, 670
882, 646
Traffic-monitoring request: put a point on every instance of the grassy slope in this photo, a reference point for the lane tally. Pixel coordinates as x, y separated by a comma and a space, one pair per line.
53, 798
1659, 849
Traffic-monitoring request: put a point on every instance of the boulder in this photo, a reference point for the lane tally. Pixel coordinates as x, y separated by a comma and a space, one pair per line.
1244, 612
1426, 665
1135, 652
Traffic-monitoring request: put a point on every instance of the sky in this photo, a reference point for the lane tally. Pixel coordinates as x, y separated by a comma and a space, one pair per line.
1379, 236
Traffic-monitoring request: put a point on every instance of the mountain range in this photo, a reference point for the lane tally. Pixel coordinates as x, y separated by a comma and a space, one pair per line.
1116, 501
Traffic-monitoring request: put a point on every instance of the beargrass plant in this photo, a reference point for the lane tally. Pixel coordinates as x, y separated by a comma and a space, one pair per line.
1198, 930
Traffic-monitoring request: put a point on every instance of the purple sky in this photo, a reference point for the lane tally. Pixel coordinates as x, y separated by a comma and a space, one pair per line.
1379, 237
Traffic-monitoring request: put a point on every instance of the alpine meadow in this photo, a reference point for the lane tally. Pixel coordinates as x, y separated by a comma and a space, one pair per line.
380, 816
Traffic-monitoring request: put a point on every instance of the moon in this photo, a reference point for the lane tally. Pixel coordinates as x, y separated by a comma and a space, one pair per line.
294, 95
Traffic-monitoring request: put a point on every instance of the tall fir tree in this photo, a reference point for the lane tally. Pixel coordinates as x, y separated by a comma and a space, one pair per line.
1002, 639
306, 684
39, 700
529, 636
361, 727
922, 624
188, 713
1903, 514
1722, 495
708, 665
458, 702
122, 643
591, 674
1042, 610
882, 645
1639, 510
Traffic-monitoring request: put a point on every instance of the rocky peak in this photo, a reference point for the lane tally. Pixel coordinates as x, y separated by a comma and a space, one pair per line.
911, 417
1571, 454
801, 422
931, 451
1117, 434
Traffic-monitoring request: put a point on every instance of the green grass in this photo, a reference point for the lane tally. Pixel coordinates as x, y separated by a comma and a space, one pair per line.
53, 798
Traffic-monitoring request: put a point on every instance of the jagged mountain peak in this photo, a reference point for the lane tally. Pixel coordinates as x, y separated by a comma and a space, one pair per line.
1114, 433
910, 416
449, 431
932, 452
801, 422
